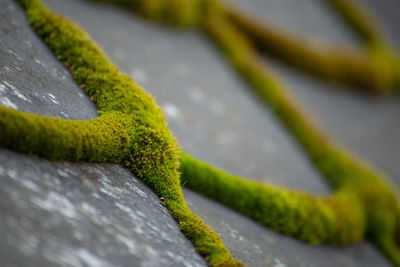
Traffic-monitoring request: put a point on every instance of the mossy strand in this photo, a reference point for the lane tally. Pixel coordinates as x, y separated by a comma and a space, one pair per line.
365, 69
337, 219
347, 174
152, 153
144, 145
352, 179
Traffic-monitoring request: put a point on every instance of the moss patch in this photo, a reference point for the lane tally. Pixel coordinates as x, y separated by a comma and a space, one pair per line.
130, 130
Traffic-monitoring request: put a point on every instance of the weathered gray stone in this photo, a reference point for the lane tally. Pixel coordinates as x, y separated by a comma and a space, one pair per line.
80, 213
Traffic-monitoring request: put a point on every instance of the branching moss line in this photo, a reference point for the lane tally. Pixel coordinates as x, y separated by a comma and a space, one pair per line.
347, 65
346, 174
131, 130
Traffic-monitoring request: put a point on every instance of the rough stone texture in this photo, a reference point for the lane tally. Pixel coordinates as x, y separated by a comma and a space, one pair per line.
59, 213
69, 214
215, 119
30, 78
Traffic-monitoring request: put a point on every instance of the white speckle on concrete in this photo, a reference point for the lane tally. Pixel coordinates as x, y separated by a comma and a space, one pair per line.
40, 62
6, 68
30, 185
62, 173
2, 88
172, 111
15, 92
6, 102
29, 246
137, 190
29, 43
12, 174
88, 209
127, 210
140, 192
196, 95
278, 263
53, 99
109, 192
79, 235
129, 243
141, 214
65, 115
109, 189
77, 257
14, 54
90, 259
55, 202
54, 72
140, 76
81, 95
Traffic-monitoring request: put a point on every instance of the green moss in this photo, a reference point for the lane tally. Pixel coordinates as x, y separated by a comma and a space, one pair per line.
377, 44
337, 219
350, 178
347, 65
131, 128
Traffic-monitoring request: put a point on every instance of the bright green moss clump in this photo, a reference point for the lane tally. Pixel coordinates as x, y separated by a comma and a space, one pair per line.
131, 128
336, 220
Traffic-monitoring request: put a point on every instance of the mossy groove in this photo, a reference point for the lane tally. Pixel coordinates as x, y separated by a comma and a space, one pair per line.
131, 130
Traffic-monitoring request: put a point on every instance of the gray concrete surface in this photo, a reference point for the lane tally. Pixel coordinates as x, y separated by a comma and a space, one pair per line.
210, 110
